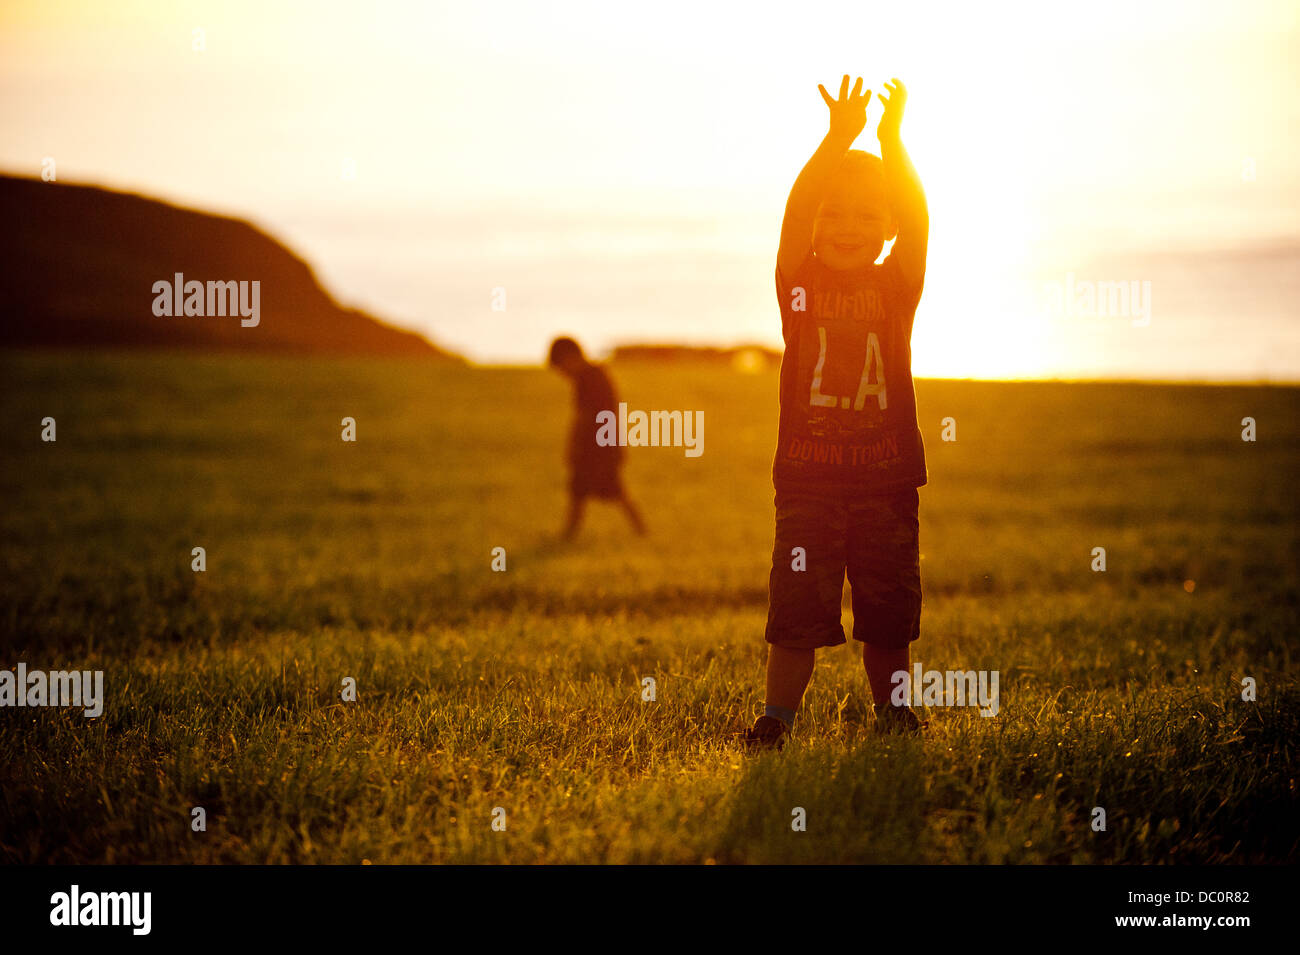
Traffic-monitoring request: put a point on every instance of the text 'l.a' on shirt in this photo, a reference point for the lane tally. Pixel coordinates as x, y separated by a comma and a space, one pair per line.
848, 407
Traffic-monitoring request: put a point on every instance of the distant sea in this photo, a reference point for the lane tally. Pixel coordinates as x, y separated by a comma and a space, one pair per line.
609, 279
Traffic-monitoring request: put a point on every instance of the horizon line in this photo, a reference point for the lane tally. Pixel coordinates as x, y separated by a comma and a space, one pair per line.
163, 351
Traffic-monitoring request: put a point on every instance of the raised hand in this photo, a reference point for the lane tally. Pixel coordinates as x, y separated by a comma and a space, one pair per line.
849, 111
891, 123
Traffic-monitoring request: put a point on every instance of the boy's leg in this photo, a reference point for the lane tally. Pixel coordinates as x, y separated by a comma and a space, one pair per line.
805, 589
574, 519
884, 567
633, 515
881, 663
788, 673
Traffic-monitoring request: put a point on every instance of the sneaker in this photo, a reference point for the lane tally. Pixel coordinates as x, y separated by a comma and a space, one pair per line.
768, 733
898, 719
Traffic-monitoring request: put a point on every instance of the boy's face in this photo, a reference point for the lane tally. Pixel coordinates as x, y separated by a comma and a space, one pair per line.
853, 224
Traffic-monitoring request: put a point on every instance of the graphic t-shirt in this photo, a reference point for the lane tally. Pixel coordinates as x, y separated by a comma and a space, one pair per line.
848, 409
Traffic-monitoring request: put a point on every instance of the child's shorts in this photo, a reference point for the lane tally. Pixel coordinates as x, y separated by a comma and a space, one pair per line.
875, 538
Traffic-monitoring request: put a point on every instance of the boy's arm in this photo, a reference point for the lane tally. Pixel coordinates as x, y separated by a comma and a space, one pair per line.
906, 197
848, 118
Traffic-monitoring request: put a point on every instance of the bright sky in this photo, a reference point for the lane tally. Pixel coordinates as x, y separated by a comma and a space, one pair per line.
621, 170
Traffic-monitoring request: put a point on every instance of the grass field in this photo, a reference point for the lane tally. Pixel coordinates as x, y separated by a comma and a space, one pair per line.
522, 689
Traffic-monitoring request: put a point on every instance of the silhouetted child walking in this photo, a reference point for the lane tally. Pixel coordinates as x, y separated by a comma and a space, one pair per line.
849, 456
594, 470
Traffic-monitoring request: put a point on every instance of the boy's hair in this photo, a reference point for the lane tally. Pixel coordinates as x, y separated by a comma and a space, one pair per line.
563, 348
858, 165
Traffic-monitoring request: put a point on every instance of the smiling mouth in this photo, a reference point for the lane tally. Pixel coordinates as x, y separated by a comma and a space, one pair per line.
848, 246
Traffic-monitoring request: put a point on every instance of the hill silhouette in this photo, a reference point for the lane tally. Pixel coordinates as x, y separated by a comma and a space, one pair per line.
81, 262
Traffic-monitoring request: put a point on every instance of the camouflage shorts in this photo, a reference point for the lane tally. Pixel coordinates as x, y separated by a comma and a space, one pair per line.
875, 539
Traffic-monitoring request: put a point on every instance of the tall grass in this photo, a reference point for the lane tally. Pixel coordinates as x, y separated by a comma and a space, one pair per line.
522, 690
